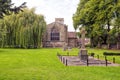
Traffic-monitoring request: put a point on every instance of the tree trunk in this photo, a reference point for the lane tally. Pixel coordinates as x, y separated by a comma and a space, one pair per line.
107, 36
118, 45
99, 45
108, 45
91, 42
108, 24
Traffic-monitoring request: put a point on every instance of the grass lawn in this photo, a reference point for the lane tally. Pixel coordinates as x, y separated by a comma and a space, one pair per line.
43, 64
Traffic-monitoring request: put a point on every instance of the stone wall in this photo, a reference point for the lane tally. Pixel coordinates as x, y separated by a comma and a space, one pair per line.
72, 42
61, 28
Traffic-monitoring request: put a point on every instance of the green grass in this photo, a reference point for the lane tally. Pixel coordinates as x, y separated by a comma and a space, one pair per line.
43, 64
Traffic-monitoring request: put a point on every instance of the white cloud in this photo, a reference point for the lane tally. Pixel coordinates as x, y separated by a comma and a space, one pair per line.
52, 9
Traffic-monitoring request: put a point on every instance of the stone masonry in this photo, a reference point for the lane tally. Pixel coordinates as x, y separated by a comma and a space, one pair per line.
57, 35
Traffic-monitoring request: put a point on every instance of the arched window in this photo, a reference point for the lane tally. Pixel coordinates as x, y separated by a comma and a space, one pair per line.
55, 35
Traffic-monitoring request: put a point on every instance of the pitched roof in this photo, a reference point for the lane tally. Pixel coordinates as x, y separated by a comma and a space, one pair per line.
57, 22
72, 35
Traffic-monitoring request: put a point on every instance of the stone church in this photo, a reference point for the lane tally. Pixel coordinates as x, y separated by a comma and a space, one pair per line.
57, 35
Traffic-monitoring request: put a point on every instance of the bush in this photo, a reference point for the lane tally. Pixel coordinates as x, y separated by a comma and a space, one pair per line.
87, 45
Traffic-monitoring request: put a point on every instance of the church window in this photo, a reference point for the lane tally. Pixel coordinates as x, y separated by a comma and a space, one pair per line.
55, 35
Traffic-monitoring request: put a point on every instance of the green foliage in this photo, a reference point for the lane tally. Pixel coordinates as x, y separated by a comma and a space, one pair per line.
6, 8
98, 17
111, 54
88, 45
24, 30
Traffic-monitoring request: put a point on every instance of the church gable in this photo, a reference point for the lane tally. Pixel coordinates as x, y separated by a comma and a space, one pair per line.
56, 34
56, 25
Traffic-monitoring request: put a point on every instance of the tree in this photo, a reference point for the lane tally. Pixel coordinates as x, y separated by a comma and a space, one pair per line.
76, 16
85, 16
117, 21
24, 30
96, 16
6, 7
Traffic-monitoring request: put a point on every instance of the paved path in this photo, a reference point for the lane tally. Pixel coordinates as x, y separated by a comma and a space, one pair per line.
75, 61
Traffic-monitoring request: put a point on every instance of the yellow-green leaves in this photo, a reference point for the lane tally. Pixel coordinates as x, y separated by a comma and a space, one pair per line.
25, 29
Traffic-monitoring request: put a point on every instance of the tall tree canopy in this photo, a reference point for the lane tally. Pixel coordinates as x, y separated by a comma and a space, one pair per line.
99, 17
24, 29
6, 7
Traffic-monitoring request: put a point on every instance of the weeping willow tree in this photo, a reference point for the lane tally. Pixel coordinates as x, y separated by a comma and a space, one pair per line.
23, 30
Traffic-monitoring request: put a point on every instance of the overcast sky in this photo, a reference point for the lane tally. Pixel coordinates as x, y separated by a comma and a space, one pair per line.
52, 9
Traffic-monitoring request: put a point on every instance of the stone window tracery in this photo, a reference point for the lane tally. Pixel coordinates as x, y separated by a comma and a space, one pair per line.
55, 35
